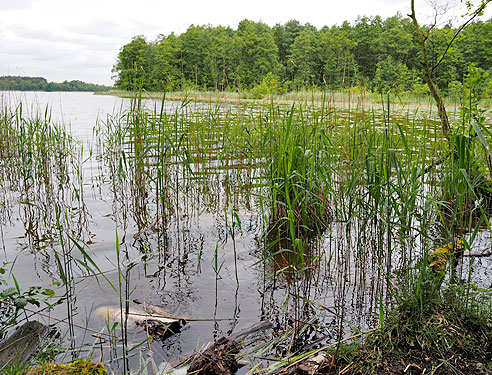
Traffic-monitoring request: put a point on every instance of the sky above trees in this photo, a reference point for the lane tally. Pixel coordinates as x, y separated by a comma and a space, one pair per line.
79, 40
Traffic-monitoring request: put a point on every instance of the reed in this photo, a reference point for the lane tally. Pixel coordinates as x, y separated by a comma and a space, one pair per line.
348, 201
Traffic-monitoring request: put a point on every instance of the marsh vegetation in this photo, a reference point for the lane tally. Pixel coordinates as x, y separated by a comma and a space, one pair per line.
318, 219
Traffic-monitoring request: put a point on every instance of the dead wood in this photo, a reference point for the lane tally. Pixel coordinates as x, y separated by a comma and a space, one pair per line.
478, 253
218, 359
23, 343
154, 325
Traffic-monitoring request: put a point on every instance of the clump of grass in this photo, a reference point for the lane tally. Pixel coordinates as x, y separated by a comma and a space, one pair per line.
448, 332
465, 191
466, 185
298, 175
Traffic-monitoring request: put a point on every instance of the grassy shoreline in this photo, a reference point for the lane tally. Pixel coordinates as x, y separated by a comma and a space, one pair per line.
346, 98
341, 98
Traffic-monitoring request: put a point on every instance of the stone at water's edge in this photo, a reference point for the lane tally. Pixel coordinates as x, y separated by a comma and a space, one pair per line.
23, 344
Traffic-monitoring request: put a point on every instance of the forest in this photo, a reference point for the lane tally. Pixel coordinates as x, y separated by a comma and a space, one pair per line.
16, 83
372, 53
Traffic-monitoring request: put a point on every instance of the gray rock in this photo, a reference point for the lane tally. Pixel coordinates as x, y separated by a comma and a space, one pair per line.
23, 344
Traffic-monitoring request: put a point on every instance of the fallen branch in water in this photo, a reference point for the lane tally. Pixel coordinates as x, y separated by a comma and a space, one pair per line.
478, 253
163, 327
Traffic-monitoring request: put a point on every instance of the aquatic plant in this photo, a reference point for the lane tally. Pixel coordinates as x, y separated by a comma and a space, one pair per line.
337, 210
439, 257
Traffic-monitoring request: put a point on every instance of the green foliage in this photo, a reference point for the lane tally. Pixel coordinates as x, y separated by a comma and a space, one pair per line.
257, 53
268, 86
14, 299
8, 83
372, 52
338, 66
465, 183
475, 46
455, 90
299, 177
285, 36
427, 315
391, 74
195, 49
165, 74
420, 89
305, 59
428, 321
366, 32
133, 64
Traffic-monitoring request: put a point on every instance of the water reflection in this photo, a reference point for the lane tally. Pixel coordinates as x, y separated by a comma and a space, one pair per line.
174, 208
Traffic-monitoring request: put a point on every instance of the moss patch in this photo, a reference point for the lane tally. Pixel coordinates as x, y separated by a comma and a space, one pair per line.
439, 258
79, 367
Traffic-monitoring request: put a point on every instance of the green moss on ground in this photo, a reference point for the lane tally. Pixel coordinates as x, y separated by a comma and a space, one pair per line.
78, 367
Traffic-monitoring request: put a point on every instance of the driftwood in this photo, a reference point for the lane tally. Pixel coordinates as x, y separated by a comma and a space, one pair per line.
478, 253
155, 309
161, 326
219, 358
23, 343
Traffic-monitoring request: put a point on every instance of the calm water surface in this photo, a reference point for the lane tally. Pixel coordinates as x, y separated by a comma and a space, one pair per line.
201, 266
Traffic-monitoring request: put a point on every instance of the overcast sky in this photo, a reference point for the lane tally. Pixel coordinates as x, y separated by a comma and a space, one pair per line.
67, 39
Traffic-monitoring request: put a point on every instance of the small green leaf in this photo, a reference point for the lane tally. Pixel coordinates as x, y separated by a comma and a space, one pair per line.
8, 292
20, 302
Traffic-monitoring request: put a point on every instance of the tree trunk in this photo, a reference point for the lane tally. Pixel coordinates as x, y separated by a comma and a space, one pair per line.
427, 76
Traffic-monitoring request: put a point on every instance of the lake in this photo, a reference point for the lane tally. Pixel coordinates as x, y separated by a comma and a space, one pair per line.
178, 215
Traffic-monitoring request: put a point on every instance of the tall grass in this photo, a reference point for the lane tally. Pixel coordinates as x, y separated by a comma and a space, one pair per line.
298, 174
350, 201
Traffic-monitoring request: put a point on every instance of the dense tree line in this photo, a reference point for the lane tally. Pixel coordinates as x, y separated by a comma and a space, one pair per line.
374, 53
41, 84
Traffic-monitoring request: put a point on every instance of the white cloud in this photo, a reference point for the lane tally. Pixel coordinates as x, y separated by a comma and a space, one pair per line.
15, 4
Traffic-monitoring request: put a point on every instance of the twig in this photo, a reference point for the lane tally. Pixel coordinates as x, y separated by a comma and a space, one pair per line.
330, 310
167, 316
477, 13
164, 314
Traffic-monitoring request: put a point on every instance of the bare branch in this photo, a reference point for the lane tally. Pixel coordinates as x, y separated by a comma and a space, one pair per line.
474, 15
